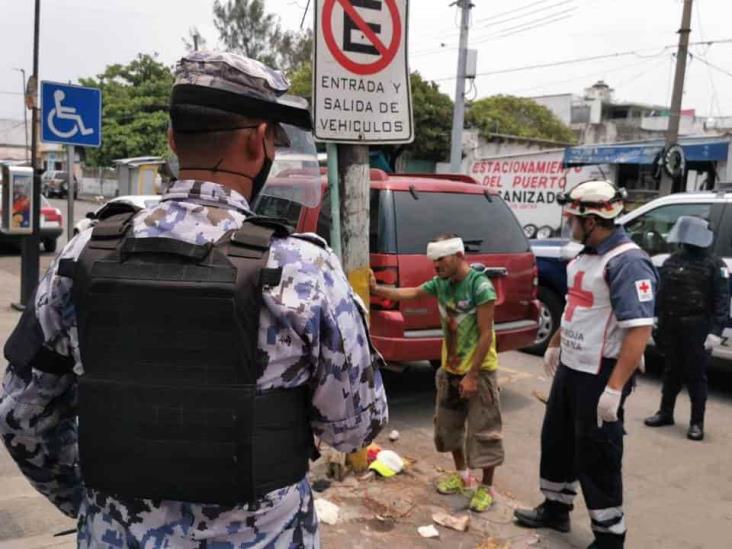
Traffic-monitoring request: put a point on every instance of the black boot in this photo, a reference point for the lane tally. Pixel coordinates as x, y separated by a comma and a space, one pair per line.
696, 432
659, 419
549, 514
608, 541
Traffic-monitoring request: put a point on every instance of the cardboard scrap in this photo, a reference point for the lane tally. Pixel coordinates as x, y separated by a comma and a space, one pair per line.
448, 521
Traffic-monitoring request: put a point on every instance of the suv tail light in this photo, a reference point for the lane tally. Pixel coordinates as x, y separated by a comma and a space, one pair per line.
52, 214
386, 276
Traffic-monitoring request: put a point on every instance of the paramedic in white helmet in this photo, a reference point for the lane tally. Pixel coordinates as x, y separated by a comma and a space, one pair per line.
606, 324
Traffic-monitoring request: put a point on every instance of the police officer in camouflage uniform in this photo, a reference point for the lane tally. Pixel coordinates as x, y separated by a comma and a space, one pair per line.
165, 384
692, 309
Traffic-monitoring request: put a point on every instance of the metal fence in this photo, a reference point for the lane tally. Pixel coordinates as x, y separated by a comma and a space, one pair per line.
99, 182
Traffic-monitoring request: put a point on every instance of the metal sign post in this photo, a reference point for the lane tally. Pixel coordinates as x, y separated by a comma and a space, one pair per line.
70, 192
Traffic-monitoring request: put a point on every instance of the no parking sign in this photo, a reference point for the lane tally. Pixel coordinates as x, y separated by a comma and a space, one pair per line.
361, 79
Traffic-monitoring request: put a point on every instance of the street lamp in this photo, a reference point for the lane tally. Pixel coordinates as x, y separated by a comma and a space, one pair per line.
25, 115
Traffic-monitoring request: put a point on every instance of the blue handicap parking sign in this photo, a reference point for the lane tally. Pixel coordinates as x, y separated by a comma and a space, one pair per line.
71, 115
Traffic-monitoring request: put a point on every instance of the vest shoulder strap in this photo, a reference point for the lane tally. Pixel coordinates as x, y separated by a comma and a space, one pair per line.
618, 250
108, 233
312, 238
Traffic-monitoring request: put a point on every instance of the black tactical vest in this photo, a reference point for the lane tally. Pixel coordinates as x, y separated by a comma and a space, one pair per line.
168, 338
687, 286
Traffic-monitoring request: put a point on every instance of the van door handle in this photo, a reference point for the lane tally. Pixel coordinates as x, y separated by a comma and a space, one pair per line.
490, 272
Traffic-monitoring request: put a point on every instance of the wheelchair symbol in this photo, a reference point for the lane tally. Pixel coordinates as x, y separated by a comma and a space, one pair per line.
59, 112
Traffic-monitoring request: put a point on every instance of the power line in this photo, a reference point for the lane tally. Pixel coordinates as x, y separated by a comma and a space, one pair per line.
522, 16
712, 65
529, 25
582, 60
527, 6
509, 31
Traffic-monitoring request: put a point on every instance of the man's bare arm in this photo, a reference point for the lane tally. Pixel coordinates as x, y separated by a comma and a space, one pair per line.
634, 344
485, 327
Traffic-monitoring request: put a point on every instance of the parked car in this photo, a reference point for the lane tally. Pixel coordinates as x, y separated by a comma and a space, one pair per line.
51, 227
116, 205
407, 211
55, 183
648, 226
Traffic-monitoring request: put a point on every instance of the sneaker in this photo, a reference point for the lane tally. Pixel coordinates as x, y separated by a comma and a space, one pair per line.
451, 484
481, 499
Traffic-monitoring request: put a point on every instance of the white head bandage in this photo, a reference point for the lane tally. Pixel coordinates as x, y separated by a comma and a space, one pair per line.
443, 248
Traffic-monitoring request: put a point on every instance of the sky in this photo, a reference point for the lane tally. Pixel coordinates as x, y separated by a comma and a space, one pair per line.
81, 37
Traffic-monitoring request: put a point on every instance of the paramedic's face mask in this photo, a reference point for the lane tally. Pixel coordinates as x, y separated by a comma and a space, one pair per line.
295, 173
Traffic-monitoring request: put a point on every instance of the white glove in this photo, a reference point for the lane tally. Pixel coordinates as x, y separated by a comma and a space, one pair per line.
607, 406
551, 361
712, 341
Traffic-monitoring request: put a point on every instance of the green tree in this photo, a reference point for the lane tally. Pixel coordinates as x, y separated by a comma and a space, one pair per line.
245, 27
432, 120
516, 116
134, 110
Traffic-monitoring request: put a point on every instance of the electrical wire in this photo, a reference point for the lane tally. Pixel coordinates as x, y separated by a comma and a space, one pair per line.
302, 21
493, 23
527, 6
509, 31
580, 60
505, 33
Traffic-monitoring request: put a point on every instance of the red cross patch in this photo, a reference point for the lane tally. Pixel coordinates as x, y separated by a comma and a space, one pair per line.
644, 290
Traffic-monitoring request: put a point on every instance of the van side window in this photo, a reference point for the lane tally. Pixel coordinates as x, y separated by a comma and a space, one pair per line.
375, 225
486, 226
651, 229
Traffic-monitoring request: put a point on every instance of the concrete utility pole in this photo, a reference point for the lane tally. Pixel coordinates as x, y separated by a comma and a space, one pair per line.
354, 184
672, 135
458, 115
30, 259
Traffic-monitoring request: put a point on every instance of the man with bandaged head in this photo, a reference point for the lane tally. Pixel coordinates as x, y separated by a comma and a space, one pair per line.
467, 388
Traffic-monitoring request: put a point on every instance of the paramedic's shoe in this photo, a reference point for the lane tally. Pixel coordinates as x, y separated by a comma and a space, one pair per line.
547, 515
696, 432
659, 419
481, 499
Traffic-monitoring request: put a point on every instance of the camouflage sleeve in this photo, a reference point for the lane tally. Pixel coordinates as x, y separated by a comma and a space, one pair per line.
349, 401
37, 400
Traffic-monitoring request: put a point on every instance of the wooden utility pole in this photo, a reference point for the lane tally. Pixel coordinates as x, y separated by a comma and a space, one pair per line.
667, 185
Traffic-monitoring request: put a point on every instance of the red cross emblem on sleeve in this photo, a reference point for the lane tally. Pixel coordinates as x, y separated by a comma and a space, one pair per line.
578, 297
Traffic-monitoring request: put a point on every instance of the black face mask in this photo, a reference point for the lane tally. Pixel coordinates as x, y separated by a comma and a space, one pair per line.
260, 179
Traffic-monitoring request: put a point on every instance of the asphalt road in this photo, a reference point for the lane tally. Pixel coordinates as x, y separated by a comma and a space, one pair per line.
678, 493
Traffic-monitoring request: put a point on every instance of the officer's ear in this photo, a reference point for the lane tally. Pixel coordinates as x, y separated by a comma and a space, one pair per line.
171, 141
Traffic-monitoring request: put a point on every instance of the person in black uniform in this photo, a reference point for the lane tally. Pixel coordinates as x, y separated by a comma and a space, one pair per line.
692, 309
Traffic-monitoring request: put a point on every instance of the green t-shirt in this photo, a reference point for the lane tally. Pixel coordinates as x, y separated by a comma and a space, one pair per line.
458, 304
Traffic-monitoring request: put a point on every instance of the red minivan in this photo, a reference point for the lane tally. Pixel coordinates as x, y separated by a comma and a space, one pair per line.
408, 211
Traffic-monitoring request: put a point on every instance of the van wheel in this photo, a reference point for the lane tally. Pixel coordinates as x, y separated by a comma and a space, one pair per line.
550, 313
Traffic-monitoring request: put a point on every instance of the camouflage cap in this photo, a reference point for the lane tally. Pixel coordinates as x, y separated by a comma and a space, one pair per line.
233, 83
232, 73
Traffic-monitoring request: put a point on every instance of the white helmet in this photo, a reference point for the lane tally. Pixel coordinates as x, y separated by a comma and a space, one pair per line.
594, 197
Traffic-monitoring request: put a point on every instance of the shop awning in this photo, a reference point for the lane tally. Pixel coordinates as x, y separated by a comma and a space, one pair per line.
644, 153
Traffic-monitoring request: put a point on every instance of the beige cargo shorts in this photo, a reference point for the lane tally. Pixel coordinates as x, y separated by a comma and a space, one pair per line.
483, 444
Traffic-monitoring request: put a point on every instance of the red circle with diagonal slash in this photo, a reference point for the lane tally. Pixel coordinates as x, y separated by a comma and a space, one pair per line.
387, 54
